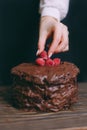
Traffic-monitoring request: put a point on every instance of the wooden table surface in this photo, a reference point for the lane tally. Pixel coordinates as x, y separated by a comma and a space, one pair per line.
73, 119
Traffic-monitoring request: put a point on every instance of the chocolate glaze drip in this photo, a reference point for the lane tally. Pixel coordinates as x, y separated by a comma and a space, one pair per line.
45, 88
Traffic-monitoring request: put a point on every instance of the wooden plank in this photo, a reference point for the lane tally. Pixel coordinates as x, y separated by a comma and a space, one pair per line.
75, 128
11, 118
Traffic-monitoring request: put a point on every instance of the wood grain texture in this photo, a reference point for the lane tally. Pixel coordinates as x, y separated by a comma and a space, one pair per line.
14, 119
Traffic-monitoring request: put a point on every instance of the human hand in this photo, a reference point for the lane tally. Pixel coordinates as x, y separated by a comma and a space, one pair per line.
50, 26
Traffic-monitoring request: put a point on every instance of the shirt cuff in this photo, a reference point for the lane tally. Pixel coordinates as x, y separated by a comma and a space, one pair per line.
50, 11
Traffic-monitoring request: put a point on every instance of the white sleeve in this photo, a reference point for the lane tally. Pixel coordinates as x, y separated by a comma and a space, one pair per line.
55, 8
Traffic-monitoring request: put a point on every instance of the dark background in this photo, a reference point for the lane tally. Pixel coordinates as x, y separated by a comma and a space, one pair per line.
19, 24
77, 23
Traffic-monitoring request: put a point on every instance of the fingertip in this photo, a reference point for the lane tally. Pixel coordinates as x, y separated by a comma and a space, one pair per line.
50, 54
37, 53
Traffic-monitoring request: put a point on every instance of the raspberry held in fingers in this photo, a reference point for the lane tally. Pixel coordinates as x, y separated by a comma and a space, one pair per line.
43, 55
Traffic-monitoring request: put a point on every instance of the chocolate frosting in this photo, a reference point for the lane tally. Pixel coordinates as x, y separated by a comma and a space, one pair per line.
46, 74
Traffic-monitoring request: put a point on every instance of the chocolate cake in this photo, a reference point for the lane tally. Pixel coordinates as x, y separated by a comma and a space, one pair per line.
45, 88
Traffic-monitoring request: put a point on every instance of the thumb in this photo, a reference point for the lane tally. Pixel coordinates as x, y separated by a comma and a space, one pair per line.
41, 43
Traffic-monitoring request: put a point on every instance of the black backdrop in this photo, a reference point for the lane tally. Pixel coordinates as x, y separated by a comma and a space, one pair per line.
19, 23
77, 23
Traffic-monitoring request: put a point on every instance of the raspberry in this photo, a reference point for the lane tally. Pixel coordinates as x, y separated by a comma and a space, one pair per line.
56, 61
49, 62
40, 61
43, 55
